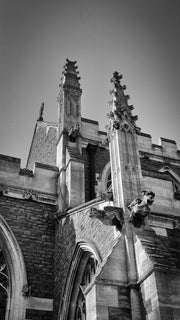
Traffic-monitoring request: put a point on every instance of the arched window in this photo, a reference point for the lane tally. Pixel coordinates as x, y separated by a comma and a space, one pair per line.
12, 275
104, 181
80, 313
4, 284
81, 273
109, 182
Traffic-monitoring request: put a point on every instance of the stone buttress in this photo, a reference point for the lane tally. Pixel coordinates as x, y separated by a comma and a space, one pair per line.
69, 151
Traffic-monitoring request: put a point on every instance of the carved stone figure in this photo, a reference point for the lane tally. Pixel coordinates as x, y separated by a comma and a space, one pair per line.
140, 208
107, 196
30, 195
111, 216
73, 132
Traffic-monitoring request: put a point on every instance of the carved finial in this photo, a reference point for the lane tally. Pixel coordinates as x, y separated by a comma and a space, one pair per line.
119, 103
41, 110
70, 75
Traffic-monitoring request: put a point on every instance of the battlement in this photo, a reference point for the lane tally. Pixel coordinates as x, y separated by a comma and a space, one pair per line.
19, 183
165, 148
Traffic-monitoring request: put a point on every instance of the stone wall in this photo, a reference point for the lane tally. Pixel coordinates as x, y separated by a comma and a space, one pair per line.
158, 263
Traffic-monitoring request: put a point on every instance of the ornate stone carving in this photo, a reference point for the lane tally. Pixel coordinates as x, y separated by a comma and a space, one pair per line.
140, 208
111, 216
26, 290
73, 132
107, 196
3, 285
30, 195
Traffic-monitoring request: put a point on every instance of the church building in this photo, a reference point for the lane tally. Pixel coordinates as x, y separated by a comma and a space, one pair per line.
90, 229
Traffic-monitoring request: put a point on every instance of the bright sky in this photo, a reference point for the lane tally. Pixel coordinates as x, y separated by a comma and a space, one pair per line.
140, 39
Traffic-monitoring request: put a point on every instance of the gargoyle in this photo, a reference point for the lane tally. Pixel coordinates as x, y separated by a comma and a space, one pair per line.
107, 195
111, 216
73, 132
140, 208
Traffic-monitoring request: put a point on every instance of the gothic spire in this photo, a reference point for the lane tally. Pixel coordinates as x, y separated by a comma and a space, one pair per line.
120, 109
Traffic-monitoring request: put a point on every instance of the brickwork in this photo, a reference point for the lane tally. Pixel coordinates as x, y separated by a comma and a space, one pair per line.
35, 235
38, 315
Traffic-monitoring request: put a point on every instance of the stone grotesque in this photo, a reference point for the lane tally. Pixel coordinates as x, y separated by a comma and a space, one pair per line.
111, 216
140, 208
73, 132
107, 196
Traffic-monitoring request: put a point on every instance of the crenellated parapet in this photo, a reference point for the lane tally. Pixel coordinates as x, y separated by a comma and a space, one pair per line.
37, 185
166, 148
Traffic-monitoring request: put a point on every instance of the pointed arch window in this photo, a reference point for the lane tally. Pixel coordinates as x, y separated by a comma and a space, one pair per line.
12, 275
82, 271
80, 313
4, 284
174, 177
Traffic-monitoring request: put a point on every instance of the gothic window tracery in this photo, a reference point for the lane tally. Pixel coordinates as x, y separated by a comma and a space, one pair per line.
89, 273
80, 313
109, 182
3, 285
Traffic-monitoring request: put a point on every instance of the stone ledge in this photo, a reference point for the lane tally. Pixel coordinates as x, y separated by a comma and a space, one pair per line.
36, 303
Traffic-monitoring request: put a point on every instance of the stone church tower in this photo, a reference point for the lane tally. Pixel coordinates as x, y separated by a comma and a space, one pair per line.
90, 229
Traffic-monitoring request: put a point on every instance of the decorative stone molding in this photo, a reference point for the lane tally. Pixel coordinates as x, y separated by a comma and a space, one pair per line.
26, 290
28, 194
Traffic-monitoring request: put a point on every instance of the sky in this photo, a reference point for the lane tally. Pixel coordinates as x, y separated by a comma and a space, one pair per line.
137, 38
